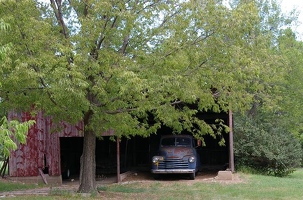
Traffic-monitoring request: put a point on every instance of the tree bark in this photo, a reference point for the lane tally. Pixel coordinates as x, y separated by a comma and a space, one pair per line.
88, 164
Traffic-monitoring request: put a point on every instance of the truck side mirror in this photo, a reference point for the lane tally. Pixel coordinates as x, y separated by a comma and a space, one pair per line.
199, 143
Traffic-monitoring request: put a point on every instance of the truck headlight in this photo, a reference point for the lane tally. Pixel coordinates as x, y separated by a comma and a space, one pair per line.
191, 159
157, 159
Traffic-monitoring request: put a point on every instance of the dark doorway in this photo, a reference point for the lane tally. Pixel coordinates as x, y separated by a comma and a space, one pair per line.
71, 151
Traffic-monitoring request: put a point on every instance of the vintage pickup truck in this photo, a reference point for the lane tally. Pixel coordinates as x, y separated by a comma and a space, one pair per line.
177, 154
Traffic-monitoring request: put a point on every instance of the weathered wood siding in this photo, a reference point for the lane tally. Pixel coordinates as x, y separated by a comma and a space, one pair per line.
42, 149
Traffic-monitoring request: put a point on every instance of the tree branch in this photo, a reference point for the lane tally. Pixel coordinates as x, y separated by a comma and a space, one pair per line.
122, 50
45, 86
57, 7
120, 111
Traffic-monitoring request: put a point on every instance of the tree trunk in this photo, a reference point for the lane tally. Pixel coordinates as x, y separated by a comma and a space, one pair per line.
88, 164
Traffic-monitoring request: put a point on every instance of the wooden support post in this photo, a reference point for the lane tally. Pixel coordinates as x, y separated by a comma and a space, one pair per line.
118, 160
231, 142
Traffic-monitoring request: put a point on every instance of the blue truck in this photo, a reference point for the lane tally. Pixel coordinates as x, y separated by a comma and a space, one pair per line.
176, 155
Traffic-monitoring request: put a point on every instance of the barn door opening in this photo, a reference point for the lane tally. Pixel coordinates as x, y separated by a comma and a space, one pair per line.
71, 151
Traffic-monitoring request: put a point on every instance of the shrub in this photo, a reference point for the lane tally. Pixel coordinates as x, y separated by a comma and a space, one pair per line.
269, 150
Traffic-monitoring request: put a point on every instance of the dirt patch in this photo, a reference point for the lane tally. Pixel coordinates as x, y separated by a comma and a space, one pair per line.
201, 176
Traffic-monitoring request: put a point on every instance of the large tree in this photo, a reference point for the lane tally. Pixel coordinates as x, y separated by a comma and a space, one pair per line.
277, 83
132, 66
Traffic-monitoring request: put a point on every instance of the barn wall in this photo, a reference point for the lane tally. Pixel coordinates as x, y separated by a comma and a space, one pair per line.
42, 149
24, 161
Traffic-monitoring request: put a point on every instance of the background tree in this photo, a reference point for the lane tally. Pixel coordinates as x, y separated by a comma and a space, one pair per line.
134, 66
274, 113
291, 112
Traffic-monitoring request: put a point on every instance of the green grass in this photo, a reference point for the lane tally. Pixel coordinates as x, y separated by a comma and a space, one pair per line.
252, 187
6, 186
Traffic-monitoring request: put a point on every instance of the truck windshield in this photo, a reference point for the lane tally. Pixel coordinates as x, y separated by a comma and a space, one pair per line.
176, 142
168, 142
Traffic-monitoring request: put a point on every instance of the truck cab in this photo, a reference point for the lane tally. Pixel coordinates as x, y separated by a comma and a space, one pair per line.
177, 154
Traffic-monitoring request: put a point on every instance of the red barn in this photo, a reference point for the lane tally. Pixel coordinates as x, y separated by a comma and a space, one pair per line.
52, 149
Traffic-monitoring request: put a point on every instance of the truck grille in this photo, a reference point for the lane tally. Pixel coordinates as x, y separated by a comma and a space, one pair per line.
173, 164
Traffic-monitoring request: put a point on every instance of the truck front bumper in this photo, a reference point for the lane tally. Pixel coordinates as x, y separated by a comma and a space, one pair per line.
172, 171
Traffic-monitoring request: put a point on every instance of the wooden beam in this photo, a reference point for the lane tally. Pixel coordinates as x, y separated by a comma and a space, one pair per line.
231, 142
42, 175
118, 160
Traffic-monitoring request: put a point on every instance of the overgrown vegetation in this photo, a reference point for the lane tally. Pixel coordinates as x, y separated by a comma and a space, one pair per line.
265, 148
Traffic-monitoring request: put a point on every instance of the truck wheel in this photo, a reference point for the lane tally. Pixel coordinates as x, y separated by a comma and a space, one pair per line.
192, 176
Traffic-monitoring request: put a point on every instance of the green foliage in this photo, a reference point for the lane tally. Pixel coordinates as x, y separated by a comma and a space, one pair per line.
133, 61
267, 149
135, 66
275, 113
11, 133
115, 69
3, 47
292, 101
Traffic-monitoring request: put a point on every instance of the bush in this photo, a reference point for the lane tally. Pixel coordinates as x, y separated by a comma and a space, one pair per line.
269, 150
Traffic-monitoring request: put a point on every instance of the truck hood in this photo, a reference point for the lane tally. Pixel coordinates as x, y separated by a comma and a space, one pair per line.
176, 152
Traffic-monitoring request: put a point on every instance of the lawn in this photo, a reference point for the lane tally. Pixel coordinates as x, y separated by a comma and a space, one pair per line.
250, 187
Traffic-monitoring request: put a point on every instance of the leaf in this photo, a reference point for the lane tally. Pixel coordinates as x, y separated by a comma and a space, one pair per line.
13, 132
